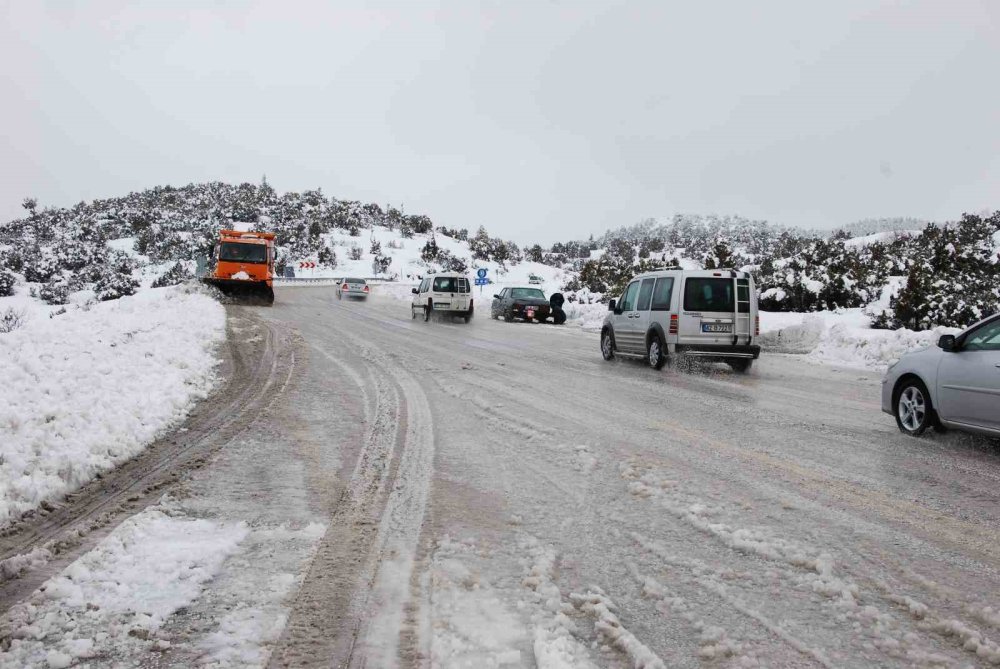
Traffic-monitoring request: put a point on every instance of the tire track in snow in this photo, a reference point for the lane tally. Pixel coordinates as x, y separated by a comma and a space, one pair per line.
351, 608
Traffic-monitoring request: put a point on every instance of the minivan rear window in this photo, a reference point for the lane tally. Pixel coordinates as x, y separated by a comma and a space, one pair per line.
708, 294
451, 284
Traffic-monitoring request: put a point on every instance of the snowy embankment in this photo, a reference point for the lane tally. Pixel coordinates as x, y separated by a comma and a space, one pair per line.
84, 390
843, 337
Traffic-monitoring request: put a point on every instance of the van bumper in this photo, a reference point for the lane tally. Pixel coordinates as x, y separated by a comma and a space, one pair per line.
719, 352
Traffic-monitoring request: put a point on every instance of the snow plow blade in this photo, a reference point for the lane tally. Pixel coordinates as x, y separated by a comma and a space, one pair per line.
244, 292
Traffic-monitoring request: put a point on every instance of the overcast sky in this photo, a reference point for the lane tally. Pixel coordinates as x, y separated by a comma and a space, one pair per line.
540, 120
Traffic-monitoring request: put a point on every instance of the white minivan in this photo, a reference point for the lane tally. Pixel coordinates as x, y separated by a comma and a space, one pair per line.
709, 314
447, 293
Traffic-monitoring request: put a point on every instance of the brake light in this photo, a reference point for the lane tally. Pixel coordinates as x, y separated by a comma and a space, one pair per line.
716, 273
674, 324
756, 326
366, 289
346, 287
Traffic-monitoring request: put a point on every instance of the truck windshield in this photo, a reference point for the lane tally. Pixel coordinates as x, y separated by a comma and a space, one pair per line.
236, 252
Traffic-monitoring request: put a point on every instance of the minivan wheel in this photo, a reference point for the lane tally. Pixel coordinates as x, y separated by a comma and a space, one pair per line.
741, 365
914, 413
657, 354
608, 345
413, 312
427, 312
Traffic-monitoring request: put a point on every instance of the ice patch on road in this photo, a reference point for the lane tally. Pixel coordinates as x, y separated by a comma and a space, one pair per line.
555, 645
119, 594
256, 616
86, 390
610, 628
472, 627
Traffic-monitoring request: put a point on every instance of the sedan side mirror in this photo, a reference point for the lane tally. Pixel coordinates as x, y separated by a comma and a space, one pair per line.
415, 291
948, 343
496, 297
611, 305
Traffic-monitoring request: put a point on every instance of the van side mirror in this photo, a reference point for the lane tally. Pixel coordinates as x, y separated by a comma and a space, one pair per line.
948, 343
611, 305
415, 291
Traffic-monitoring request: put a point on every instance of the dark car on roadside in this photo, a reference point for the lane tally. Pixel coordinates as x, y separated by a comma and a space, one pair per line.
527, 304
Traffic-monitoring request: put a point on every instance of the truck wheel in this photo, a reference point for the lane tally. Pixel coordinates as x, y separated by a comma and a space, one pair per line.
608, 344
656, 352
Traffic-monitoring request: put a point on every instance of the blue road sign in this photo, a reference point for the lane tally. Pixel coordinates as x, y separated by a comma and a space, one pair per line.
481, 272
482, 281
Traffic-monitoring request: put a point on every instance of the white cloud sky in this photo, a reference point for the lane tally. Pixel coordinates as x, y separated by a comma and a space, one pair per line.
540, 120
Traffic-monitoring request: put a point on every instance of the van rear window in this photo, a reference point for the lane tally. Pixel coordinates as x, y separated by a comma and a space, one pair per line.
708, 294
451, 284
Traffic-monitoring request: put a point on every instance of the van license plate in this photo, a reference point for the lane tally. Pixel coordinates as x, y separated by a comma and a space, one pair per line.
716, 327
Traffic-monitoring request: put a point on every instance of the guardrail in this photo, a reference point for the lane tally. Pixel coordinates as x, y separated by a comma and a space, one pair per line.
331, 280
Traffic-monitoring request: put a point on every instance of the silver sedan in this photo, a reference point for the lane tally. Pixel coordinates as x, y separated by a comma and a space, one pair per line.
354, 288
955, 384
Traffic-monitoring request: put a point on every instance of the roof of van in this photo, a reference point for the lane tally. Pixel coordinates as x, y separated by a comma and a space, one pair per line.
723, 272
461, 275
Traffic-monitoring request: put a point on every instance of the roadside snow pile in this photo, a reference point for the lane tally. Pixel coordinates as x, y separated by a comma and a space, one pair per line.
84, 390
842, 337
119, 595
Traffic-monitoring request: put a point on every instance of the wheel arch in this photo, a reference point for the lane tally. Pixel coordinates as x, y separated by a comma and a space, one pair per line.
655, 329
913, 376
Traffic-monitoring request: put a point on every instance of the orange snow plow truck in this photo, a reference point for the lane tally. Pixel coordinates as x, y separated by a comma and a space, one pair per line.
244, 266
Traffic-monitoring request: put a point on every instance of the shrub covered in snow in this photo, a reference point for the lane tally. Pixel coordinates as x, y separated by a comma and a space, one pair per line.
55, 291
178, 273
116, 279
7, 282
952, 276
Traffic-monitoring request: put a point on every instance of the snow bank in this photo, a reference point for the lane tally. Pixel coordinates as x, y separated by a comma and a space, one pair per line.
87, 389
119, 595
842, 338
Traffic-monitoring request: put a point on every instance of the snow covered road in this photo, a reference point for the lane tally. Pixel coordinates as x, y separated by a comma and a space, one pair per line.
447, 495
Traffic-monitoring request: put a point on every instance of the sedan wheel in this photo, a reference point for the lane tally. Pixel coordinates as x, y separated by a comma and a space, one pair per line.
913, 409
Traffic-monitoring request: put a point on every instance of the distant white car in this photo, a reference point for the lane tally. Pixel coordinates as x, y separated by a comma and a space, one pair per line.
955, 384
355, 288
447, 293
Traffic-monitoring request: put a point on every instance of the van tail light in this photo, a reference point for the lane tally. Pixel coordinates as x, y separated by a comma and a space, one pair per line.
756, 326
674, 326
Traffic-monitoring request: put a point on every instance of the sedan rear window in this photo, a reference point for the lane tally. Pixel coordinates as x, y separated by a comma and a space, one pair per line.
361, 281
527, 293
706, 294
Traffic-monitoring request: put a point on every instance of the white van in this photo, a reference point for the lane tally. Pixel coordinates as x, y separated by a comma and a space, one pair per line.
710, 314
447, 293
